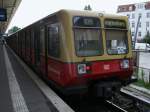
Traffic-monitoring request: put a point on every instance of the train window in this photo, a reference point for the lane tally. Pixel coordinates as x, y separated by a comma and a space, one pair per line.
116, 41
42, 43
53, 41
87, 36
88, 42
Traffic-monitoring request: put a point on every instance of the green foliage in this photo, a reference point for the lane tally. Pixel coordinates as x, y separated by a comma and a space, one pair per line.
13, 30
141, 83
88, 7
142, 74
147, 38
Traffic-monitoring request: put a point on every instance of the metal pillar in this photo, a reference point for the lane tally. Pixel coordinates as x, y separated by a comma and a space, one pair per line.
136, 31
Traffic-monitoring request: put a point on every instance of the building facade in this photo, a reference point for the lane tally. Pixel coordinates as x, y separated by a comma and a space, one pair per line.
133, 11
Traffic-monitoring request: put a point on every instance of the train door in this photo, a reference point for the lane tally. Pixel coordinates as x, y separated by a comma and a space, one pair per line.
28, 46
46, 51
23, 45
17, 43
20, 44
42, 50
37, 48
21, 38
53, 51
32, 47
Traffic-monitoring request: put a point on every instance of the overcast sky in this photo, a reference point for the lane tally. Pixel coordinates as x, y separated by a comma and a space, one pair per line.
30, 11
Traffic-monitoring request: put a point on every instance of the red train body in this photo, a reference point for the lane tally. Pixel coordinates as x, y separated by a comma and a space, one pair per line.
76, 66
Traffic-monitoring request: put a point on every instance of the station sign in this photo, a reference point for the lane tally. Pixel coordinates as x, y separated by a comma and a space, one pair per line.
3, 14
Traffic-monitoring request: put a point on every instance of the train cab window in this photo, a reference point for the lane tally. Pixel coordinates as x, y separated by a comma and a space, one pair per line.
42, 38
116, 41
53, 41
116, 36
88, 38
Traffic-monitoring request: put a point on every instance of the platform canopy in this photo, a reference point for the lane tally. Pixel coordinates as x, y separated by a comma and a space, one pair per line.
11, 7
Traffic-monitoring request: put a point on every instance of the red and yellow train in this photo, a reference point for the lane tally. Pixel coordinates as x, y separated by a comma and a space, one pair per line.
78, 51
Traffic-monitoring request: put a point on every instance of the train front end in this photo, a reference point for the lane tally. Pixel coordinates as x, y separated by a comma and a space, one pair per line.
100, 56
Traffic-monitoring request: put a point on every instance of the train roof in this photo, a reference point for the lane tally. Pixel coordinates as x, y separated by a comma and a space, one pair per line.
87, 13
72, 13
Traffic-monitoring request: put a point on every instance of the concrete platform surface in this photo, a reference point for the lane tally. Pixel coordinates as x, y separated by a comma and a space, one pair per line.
22, 92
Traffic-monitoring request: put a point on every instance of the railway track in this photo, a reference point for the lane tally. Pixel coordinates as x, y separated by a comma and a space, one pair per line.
141, 99
130, 100
120, 102
115, 107
139, 95
123, 104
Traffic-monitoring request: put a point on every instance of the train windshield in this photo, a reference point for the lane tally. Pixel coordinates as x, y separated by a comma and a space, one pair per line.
116, 36
88, 39
116, 42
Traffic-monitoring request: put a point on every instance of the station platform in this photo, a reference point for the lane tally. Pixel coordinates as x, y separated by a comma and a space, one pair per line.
22, 93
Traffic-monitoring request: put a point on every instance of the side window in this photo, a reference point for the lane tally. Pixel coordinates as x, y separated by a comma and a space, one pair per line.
53, 41
42, 38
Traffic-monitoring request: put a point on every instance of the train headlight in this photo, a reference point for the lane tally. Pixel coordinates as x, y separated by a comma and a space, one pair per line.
125, 64
81, 68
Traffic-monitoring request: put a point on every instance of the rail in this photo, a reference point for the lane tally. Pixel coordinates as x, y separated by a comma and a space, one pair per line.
115, 107
130, 100
136, 94
141, 101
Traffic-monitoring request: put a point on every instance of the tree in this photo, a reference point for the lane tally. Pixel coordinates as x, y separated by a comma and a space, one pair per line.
13, 30
88, 7
146, 38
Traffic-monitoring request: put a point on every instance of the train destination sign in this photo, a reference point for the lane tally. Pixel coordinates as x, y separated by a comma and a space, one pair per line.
3, 14
86, 21
115, 24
